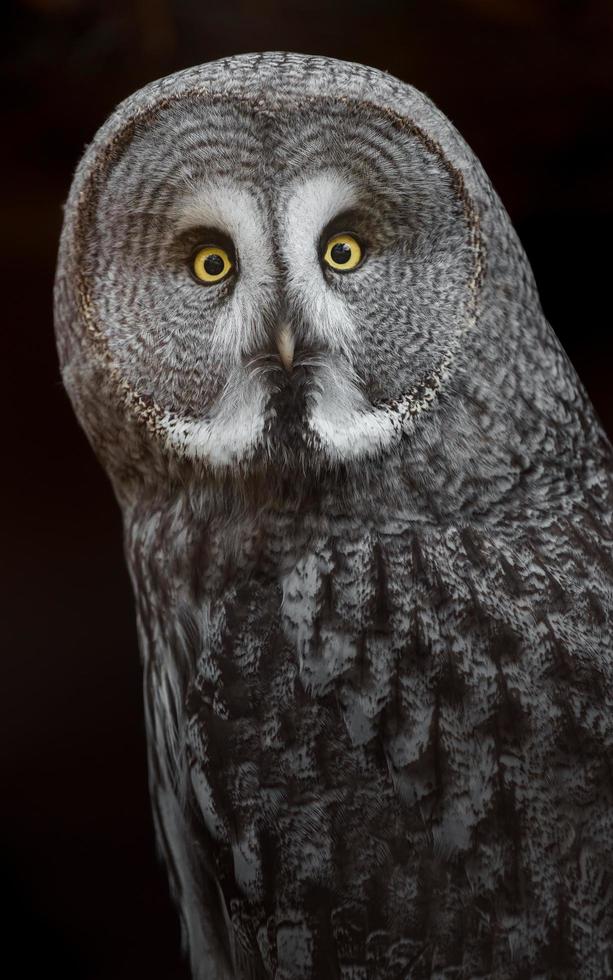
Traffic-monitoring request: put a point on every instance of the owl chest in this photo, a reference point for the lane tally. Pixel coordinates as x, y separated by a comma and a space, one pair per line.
368, 682
374, 633
295, 668
306, 619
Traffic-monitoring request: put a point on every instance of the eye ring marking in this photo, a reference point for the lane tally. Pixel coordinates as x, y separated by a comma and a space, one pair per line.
343, 252
210, 264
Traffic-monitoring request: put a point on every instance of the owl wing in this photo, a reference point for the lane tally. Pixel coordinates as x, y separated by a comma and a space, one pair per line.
481, 674
400, 751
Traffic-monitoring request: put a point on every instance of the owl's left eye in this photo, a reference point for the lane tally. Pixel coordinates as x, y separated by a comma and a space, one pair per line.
343, 252
211, 264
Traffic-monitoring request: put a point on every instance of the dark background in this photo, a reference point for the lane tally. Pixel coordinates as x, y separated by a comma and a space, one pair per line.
529, 85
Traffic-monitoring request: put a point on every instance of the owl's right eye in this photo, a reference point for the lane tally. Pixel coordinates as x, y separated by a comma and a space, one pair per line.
211, 264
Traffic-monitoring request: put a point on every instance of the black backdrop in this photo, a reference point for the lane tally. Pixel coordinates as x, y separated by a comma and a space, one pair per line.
530, 86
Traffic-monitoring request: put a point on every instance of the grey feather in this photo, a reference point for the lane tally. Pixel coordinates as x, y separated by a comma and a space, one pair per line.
374, 596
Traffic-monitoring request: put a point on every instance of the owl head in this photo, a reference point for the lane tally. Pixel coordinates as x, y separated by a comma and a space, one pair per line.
280, 260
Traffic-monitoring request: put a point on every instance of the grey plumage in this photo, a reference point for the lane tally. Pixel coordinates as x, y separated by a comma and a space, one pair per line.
374, 597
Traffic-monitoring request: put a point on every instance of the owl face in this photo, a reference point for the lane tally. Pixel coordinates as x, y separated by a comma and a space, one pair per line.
278, 277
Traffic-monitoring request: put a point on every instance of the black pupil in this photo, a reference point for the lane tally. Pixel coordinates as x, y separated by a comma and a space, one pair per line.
213, 264
340, 253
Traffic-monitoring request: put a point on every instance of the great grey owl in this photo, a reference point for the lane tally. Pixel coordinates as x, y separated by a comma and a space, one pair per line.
367, 510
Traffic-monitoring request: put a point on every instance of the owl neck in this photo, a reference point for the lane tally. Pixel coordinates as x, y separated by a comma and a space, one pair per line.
454, 473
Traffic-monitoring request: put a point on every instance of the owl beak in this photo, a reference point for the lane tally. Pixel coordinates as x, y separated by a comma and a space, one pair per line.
285, 346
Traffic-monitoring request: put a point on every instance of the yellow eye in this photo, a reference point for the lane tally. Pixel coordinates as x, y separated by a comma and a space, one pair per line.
211, 264
343, 252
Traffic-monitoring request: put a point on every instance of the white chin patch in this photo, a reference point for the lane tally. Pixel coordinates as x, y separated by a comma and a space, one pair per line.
340, 423
356, 435
230, 435
346, 425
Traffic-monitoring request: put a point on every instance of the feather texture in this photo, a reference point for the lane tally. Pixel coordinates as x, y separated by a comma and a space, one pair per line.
374, 597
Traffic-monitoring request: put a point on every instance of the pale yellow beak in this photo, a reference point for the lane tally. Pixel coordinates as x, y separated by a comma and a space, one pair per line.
285, 346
